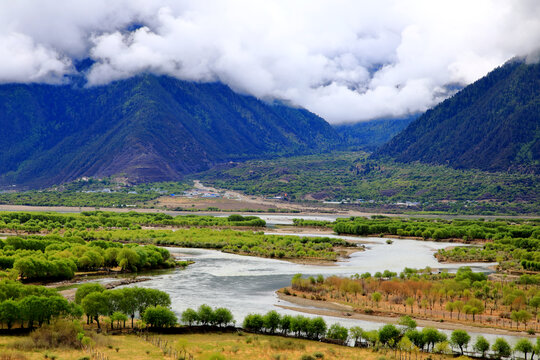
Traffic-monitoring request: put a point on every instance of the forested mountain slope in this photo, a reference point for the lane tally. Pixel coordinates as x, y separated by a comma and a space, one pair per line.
492, 124
148, 128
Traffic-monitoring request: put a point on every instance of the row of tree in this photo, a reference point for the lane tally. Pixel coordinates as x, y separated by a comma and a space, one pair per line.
438, 229
462, 296
92, 220
118, 304
28, 305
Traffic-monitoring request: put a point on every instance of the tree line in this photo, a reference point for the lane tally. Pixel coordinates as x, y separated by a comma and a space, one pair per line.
440, 229
92, 220
53, 256
464, 296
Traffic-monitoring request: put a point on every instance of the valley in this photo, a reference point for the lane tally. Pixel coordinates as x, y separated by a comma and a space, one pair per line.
213, 181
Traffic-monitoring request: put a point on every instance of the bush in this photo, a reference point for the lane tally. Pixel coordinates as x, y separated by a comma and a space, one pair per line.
60, 333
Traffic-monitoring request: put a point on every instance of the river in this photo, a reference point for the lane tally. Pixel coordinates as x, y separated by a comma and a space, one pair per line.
246, 284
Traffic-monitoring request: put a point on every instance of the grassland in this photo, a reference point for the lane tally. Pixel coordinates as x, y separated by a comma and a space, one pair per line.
204, 347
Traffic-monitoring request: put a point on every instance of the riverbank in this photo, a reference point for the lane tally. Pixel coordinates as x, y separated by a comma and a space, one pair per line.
325, 308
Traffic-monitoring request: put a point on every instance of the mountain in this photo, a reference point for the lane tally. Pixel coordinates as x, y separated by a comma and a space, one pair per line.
492, 124
369, 135
148, 128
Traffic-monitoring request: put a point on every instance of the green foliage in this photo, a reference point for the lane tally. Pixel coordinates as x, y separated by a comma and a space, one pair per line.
159, 317
389, 335
253, 322
30, 304
440, 229
369, 135
472, 128
240, 242
501, 348
55, 131
481, 346
381, 184
337, 332
85, 289
189, 317
460, 338
511, 253
524, 346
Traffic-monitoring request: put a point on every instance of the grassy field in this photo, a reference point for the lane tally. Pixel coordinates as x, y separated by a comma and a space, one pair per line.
204, 347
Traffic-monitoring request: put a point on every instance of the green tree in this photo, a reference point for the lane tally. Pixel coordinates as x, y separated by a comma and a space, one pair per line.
481, 346
389, 335
9, 312
285, 324
128, 303
337, 332
356, 334
189, 317
460, 338
316, 328
501, 348
127, 259
407, 322
94, 305
223, 317
410, 301
159, 317
432, 336
118, 316
525, 346
449, 307
271, 321
253, 322
206, 314
86, 289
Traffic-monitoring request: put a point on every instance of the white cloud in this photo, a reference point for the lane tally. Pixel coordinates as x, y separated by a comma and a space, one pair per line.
346, 60
24, 61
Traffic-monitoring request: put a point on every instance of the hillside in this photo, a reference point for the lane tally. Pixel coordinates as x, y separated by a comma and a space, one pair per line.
492, 124
369, 135
147, 128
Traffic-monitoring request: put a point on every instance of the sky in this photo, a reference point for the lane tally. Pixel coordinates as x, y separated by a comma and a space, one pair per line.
346, 61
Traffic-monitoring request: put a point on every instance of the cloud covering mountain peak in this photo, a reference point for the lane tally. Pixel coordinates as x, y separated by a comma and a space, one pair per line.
344, 60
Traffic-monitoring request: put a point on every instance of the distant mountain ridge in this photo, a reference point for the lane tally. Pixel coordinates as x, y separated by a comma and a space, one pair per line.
148, 128
492, 124
370, 135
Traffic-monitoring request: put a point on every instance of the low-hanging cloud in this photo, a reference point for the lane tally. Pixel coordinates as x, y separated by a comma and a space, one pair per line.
345, 60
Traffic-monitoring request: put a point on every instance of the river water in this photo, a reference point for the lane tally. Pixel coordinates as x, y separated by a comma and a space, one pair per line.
246, 284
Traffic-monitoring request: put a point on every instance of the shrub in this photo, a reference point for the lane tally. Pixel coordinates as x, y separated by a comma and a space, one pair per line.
60, 333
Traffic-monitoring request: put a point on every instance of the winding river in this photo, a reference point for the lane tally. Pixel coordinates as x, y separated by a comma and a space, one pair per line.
247, 284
